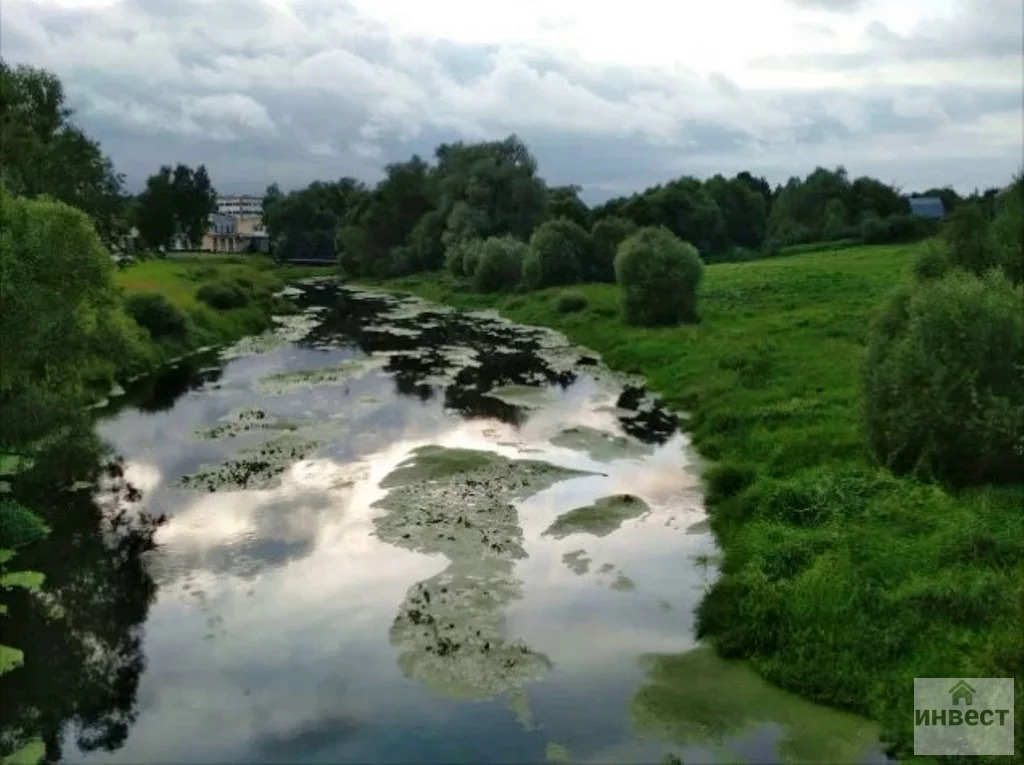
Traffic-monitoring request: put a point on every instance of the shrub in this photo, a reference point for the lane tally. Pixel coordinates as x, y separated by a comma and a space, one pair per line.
942, 385
500, 264
222, 295
931, 262
461, 257
606, 236
570, 302
658, 274
425, 240
1007, 232
967, 239
402, 261
558, 248
157, 314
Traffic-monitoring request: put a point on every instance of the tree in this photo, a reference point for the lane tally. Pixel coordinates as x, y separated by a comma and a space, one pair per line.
743, 207
565, 202
606, 236
63, 329
304, 223
156, 208
500, 264
870, 196
497, 180
658, 274
42, 152
943, 397
426, 241
558, 250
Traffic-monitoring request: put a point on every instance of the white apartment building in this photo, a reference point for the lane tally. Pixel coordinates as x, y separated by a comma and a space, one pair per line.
241, 206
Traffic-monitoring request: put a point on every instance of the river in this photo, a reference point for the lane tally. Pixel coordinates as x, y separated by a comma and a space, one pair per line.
389, 531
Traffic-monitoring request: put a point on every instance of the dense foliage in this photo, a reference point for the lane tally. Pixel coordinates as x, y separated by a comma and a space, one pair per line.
559, 252
658, 274
63, 329
158, 315
943, 393
499, 264
175, 203
605, 238
42, 152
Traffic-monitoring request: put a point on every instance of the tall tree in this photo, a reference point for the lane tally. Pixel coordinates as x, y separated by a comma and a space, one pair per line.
156, 209
42, 152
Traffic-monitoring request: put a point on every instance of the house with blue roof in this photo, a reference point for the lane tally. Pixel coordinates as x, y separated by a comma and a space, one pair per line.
927, 207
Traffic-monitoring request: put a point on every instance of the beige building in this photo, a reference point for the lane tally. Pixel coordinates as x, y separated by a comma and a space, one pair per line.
236, 233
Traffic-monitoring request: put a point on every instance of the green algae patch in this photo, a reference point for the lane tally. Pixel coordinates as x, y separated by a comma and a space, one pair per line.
697, 698
577, 562
255, 468
525, 396
600, 519
244, 420
287, 329
450, 629
287, 382
600, 444
557, 753
623, 583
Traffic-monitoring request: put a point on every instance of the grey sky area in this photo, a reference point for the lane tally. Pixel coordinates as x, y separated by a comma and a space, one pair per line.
613, 98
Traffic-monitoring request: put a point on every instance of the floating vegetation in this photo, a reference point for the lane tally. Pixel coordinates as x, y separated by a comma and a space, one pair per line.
699, 699
243, 421
577, 561
285, 382
287, 329
450, 628
600, 519
623, 583
600, 444
556, 753
255, 468
525, 396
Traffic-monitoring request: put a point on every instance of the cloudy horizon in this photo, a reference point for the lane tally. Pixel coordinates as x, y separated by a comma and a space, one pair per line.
613, 98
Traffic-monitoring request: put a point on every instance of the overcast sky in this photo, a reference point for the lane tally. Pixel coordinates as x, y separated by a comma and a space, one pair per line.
612, 96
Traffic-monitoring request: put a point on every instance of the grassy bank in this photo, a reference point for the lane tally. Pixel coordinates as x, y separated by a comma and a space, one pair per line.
179, 280
839, 581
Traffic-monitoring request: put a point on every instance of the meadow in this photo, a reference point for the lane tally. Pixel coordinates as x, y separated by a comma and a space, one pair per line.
839, 580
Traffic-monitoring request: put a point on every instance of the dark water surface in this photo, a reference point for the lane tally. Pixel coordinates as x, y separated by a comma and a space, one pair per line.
291, 608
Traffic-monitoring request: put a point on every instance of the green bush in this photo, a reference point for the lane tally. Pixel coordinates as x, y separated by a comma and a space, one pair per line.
1007, 232
931, 262
499, 264
943, 396
157, 314
658, 274
606, 236
425, 240
570, 302
967, 239
558, 248
19, 526
222, 295
461, 257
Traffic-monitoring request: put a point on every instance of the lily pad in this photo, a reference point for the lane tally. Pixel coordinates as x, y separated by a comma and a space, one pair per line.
29, 580
525, 396
623, 583
600, 519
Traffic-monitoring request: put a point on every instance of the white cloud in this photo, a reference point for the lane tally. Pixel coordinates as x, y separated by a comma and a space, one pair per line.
322, 89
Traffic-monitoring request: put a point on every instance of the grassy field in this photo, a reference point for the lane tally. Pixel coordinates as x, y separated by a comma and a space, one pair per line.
179, 278
839, 581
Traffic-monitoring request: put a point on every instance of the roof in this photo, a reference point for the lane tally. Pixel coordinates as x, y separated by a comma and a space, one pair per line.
927, 207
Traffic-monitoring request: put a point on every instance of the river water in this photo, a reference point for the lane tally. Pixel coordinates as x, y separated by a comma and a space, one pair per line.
393, 532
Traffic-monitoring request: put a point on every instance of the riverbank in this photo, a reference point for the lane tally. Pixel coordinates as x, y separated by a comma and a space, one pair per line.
838, 581
179, 280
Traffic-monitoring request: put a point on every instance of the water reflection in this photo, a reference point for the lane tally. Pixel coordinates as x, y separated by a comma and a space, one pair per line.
273, 634
82, 636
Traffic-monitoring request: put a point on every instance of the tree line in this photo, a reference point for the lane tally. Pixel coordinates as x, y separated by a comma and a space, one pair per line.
407, 221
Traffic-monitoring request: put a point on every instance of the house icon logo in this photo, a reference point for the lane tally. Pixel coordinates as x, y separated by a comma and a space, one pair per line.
962, 691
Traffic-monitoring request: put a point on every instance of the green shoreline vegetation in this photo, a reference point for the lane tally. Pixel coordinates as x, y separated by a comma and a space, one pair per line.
841, 581
859, 400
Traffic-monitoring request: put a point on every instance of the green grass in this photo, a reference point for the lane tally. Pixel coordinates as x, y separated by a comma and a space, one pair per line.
839, 581
178, 279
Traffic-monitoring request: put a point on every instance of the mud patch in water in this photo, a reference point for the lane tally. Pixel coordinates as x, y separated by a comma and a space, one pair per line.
600, 519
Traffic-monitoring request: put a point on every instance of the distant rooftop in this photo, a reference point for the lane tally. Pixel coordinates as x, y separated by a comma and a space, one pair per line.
927, 207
